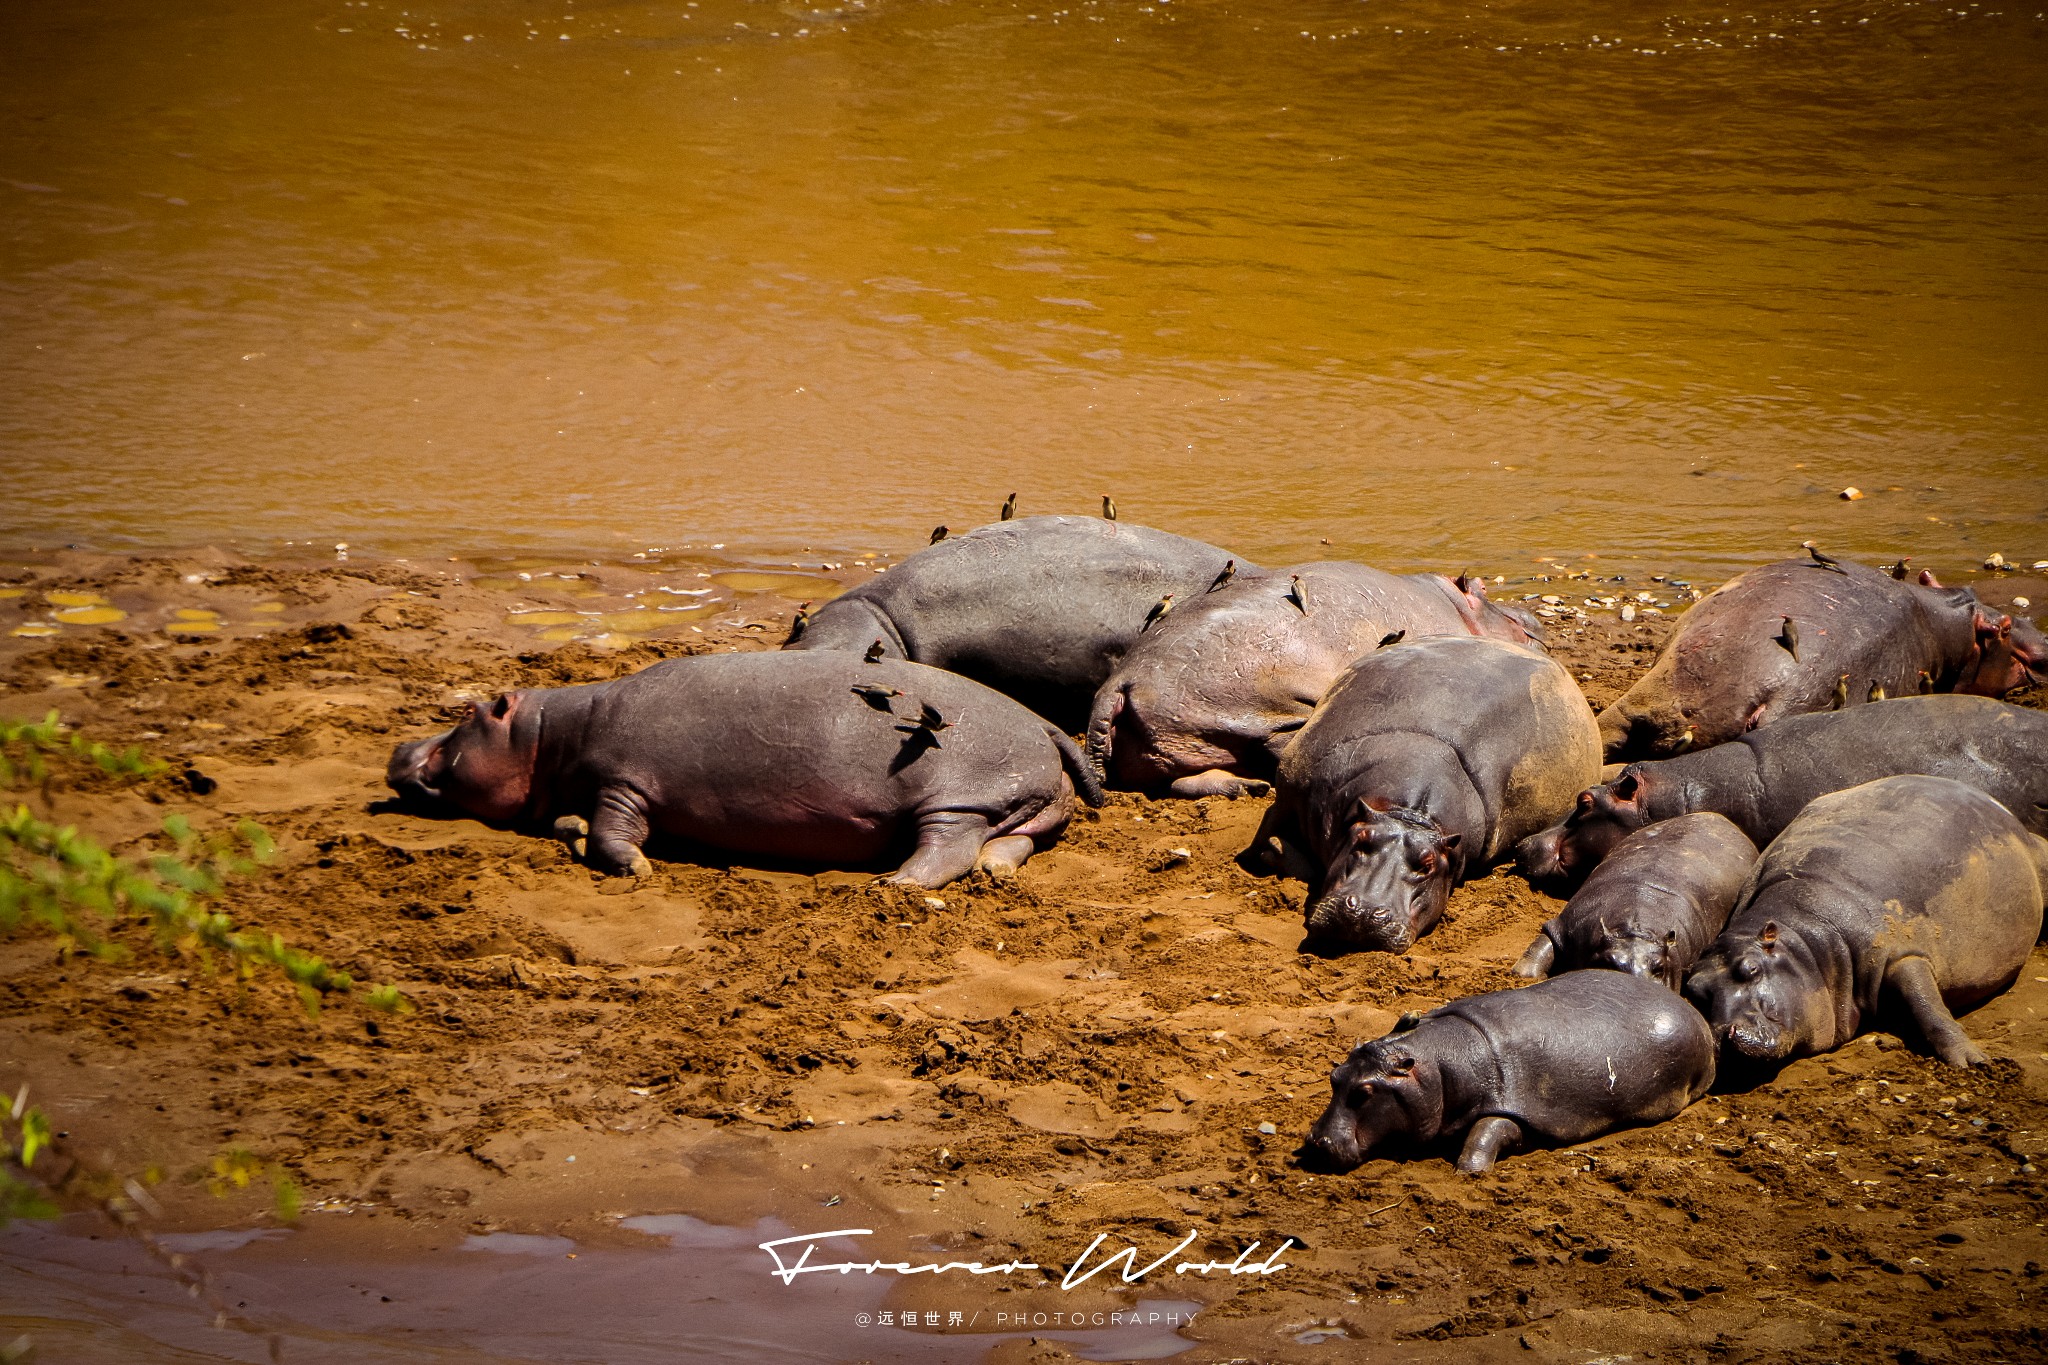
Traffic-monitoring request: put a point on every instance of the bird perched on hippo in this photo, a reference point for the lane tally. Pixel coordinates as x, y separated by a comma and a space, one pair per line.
1039, 608
1208, 697
823, 756
1915, 890
1815, 634
1425, 761
1563, 1060
1763, 779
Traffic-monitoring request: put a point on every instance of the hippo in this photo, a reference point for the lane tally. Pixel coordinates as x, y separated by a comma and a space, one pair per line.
1653, 905
1209, 696
1915, 889
1763, 779
820, 756
1425, 762
1563, 1060
1040, 608
1809, 635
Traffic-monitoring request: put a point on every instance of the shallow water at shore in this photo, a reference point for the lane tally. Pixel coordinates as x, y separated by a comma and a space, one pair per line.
1437, 287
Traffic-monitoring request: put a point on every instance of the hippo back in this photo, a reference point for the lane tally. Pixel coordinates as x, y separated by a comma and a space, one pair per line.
1518, 723
1040, 608
1587, 1052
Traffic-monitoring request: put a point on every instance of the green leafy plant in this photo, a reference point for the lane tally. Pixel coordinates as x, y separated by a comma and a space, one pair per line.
65, 883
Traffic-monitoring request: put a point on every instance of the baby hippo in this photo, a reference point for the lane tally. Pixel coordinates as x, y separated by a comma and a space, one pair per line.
1917, 889
1423, 761
1561, 1061
820, 756
1654, 905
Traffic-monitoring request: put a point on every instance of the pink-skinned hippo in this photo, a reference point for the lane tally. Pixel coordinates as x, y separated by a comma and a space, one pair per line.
1040, 608
1911, 889
1424, 763
1653, 905
1763, 779
822, 756
1810, 635
1563, 1060
1214, 690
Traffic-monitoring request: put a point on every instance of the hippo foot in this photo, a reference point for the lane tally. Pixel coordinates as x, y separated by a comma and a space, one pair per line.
1538, 959
1490, 1139
1914, 980
1000, 858
1216, 782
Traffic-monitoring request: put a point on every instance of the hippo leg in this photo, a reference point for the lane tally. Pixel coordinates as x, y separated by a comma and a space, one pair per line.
574, 831
1490, 1139
1216, 782
1001, 857
949, 844
1538, 958
616, 832
1913, 978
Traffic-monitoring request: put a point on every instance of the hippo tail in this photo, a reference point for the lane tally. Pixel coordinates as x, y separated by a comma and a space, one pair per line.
1102, 718
1086, 780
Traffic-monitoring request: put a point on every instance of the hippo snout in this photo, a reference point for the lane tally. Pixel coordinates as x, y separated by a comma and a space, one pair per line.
1540, 859
1335, 1139
412, 770
1647, 958
1343, 919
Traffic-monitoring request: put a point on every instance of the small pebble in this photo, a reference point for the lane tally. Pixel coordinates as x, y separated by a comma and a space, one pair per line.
934, 903
1851, 494
1268, 1129
2022, 602
1628, 613
1996, 561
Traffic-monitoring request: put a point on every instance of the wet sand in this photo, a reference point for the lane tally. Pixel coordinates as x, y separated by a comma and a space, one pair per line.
998, 1070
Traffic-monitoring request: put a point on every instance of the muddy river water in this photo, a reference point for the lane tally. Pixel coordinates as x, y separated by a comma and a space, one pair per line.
1431, 282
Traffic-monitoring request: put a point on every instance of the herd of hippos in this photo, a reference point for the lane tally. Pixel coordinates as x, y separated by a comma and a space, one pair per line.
1845, 720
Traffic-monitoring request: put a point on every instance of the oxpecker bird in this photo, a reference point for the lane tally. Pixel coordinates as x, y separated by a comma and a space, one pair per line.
1158, 613
1297, 594
874, 654
925, 729
1228, 572
1009, 507
1841, 692
1820, 560
1876, 692
938, 534
876, 695
1392, 637
1788, 636
1899, 569
1108, 508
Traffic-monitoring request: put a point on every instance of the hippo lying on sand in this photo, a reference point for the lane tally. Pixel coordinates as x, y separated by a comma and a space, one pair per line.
1426, 760
1562, 1061
1917, 889
821, 756
1805, 635
1653, 905
1763, 779
1041, 608
1212, 693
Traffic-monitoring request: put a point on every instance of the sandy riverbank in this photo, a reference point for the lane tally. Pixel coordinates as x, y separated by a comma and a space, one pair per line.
1005, 1069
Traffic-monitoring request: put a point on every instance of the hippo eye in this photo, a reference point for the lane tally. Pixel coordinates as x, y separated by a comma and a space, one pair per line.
1358, 1096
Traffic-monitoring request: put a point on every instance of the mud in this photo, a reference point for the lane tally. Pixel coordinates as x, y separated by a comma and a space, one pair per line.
997, 1070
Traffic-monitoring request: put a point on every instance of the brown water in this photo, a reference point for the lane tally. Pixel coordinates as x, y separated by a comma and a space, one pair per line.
1444, 284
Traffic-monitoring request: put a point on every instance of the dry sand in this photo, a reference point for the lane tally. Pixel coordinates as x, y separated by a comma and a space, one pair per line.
1000, 1068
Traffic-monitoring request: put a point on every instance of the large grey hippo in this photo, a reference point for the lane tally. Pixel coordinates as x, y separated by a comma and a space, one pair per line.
1208, 697
1040, 608
1763, 779
1914, 889
820, 756
1560, 1061
1809, 635
1425, 761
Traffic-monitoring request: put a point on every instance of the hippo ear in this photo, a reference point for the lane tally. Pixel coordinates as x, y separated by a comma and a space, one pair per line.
1992, 627
1928, 580
1624, 788
1768, 936
1401, 1064
1451, 842
1670, 938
